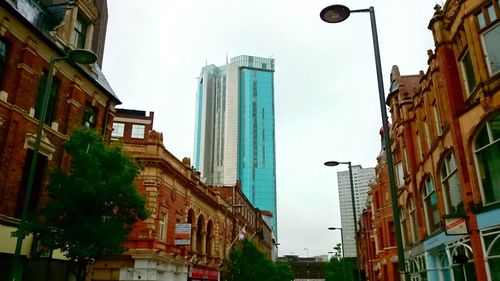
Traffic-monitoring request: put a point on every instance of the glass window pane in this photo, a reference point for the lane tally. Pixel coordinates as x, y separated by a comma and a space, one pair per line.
495, 127
480, 20
482, 138
494, 268
491, 42
118, 130
138, 131
489, 172
468, 73
491, 13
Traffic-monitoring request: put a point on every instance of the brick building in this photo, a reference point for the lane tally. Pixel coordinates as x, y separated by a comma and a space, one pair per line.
446, 148
175, 195
31, 33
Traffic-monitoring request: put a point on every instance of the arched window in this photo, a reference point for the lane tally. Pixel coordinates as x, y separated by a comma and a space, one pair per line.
432, 216
491, 241
487, 154
452, 194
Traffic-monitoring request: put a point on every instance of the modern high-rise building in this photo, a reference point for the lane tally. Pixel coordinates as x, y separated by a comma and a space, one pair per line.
234, 132
361, 178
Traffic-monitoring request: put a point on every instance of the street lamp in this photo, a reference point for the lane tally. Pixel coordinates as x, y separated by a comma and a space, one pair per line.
341, 237
342, 247
333, 164
79, 56
339, 13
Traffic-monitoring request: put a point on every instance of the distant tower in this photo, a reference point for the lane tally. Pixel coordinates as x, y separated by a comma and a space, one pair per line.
234, 133
361, 179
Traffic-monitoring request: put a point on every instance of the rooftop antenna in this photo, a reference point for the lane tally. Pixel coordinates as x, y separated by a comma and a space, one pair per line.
227, 60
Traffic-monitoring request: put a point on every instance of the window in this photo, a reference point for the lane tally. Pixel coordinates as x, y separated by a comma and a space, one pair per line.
468, 75
491, 45
404, 226
90, 116
118, 130
413, 220
491, 242
3, 57
400, 174
487, 154
51, 104
490, 35
451, 186
428, 139
79, 32
162, 227
138, 131
437, 120
431, 210
41, 164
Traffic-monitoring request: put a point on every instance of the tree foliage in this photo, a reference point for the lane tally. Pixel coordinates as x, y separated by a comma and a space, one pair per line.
339, 269
247, 263
93, 207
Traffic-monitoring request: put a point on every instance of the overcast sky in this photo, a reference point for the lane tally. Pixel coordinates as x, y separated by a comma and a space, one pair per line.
326, 98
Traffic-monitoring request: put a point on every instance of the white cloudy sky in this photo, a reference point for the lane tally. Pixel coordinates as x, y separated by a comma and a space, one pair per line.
326, 98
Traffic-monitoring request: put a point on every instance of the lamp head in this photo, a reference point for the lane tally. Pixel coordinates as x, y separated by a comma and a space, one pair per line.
335, 13
334, 228
331, 163
82, 56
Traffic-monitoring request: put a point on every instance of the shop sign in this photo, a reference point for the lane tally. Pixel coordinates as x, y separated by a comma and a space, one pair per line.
182, 235
455, 226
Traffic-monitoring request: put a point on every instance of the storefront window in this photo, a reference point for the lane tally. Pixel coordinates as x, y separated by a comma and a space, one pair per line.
491, 241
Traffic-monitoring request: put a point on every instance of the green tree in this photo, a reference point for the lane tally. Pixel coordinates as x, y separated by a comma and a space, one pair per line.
339, 269
92, 207
247, 263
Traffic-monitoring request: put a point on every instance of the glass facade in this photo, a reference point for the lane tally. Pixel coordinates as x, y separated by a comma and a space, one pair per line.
234, 130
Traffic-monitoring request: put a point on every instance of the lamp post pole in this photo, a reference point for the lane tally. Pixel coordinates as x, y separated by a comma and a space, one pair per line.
342, 248
341, 237
338, 13
355, 221
80, 56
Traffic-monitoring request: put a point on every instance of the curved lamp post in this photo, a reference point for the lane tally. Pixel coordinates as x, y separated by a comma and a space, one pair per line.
355, 221
338, 13
79, 56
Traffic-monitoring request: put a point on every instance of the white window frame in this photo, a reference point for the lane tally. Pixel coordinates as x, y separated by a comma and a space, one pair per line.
118, 130
426, 196
479, 165
465, 77
138, 131
495, 27
437, 120
447, 171
162, 226
400, 174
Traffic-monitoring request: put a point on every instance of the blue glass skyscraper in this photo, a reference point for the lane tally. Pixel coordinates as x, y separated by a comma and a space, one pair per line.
234, 133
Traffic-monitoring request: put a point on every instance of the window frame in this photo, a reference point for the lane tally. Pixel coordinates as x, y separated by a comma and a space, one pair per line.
447, 171
79, 34
134, 133
480, 167
4, 55
469, 78
485, 23
428, 195
114, 131
89, 112
52, 98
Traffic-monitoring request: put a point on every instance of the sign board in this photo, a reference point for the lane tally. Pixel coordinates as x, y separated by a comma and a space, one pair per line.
455, 226
182, 235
